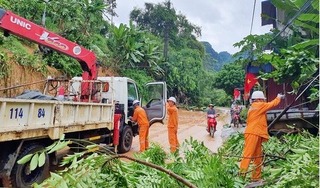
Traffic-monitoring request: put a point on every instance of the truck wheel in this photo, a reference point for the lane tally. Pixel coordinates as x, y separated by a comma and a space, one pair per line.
21, 175
125, 141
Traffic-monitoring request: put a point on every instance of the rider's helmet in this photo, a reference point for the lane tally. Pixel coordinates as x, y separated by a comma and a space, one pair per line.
258, 95
135, 102
211, 105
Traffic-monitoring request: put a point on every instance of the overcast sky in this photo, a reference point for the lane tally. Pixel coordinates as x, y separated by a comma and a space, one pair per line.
222, 22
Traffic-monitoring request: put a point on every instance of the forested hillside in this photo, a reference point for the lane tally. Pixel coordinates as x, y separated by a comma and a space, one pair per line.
144, 50
158, 44
214, 61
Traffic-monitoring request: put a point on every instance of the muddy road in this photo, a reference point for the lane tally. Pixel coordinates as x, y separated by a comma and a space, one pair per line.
191, 124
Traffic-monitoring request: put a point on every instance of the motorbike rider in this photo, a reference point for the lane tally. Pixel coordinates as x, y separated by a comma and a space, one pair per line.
236, 111
211, 111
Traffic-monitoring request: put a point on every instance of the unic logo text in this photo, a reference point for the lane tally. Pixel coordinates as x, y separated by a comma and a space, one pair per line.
21, 23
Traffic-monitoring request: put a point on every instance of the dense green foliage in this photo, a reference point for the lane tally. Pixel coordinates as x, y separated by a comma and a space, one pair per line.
295, 54
125, 49
75, 20
4, 69
132, 48
20, 54
290, 160
183, 56
301, 51
231, 76
163, 21
163, 45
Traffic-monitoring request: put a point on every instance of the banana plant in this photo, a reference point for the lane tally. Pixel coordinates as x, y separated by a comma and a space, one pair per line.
132, 48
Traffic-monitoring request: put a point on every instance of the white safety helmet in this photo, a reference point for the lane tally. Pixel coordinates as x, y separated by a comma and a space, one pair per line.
172, 99
258, 95
135, 102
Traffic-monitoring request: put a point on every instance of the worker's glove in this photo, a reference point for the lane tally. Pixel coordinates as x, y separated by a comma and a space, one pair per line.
280, 96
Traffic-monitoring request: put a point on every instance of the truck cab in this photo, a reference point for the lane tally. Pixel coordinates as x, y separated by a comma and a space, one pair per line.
123, 91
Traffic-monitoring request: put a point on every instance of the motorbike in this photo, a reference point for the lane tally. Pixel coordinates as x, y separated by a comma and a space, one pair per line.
236, 119
212, 124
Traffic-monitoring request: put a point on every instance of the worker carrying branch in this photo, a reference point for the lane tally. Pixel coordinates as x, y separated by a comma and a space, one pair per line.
256, 133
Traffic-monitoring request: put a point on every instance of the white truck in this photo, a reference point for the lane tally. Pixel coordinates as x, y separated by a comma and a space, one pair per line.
90, 109
29, 125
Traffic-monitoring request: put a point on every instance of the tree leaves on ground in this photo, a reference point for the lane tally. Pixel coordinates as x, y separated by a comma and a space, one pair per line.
289, 160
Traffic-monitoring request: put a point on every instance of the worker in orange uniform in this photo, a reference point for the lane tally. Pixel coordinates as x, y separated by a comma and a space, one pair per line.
256, 133
140, 116
173, 124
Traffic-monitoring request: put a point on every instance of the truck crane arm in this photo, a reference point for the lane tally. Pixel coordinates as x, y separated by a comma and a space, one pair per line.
11, 23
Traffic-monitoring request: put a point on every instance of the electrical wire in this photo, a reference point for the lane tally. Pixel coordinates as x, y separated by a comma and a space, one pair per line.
303, 8
252, 18
307, 10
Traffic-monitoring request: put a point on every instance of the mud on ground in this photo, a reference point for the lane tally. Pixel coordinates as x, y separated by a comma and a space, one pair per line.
191, 124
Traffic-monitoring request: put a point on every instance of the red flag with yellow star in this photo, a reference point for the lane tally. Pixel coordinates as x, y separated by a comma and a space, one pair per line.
250, 81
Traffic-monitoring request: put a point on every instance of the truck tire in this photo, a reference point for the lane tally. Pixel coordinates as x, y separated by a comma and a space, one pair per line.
126, 138
20, 175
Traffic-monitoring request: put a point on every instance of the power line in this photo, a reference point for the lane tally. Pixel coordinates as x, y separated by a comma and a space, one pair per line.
253, 11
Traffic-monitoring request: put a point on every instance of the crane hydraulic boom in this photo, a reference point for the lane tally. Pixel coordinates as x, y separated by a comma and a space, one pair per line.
14, 24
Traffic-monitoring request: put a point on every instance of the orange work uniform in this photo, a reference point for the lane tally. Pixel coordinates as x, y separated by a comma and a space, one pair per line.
140, 116
255, 134
173, 127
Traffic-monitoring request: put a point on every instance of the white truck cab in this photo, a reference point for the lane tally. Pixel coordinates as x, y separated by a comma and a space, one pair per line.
123, 91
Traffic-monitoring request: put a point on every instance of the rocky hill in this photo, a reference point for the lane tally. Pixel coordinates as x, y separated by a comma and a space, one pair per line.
214, 61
